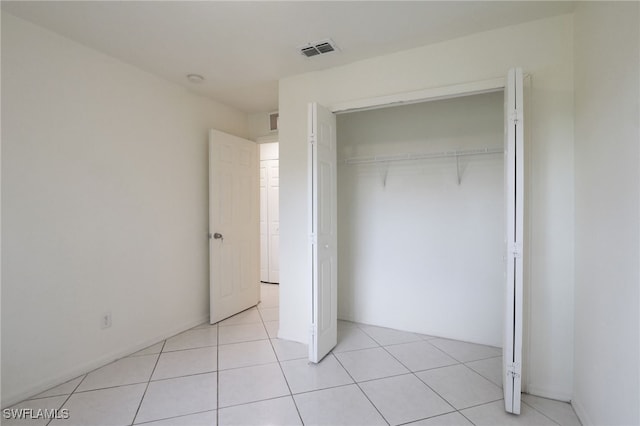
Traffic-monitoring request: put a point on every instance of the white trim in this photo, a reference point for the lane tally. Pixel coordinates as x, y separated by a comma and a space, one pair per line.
88, 367
273, 137
549, 393
431, 94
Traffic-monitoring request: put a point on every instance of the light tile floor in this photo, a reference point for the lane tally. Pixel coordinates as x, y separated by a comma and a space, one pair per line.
238, 373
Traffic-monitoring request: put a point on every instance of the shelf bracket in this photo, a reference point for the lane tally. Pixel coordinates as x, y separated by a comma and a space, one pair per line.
384, 173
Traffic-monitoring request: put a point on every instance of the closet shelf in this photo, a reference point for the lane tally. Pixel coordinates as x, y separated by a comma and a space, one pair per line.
424, 156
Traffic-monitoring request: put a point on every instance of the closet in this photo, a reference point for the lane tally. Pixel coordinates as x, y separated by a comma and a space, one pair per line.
421, 217
269, 213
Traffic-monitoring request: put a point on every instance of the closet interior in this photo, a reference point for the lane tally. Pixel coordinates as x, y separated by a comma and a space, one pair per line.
421, 217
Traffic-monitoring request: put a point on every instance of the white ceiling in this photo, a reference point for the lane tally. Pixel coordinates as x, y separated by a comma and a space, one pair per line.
243, 48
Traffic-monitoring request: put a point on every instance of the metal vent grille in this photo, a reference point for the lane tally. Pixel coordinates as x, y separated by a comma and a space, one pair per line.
309, 51
318, 48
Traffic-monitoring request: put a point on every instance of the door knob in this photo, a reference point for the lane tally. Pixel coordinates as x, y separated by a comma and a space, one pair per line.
218, 236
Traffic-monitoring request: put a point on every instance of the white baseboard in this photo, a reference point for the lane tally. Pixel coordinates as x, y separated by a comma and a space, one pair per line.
63, 377
549, 393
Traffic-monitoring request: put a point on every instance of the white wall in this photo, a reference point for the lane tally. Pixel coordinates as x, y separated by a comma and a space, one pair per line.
607, 320
104, 207
259, 128
544, 49
416, 250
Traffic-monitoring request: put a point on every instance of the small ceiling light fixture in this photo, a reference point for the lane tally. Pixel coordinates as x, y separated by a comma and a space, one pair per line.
195, 78
319, 48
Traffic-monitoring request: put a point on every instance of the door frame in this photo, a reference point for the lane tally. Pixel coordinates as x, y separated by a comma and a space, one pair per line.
454, 91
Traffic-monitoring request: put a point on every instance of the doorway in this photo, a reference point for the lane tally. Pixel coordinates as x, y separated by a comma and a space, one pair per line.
323, 224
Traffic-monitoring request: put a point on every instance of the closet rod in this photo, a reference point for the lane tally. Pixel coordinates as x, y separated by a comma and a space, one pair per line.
427, 156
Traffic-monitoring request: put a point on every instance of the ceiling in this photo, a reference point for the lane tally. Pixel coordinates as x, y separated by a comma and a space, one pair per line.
243, 48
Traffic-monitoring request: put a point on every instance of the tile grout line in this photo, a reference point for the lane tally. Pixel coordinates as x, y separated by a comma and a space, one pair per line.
361, 390
456, 410
280, 363
148, 382
467, 418
217, 373
179, 416
69, 396
422, 381
538, 411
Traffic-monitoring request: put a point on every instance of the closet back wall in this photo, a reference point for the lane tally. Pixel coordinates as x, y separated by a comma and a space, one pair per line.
417, 250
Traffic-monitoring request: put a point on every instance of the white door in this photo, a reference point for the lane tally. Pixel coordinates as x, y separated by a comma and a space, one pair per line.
514, 198
269, 213
233, 225
273, 191
323, 235
264, 224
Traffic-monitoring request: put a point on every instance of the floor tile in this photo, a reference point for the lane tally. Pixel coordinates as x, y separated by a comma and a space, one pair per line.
63, 389
270, 314
304, 376
388, 336
428, 337
186, 362
269, 295
367, 364
125, 371
352, 338
151, 350
191, 339
417, 356
465, 352
179, 396
245, 354
278, 411
251, 384
113, 406
560, 412
346, 405
344, 324
403, 399
242, 333
272, 328
208, 418
287, 350
490, 368
493, 414
205, 325
51, 403
461, 386
250, 316
450, 419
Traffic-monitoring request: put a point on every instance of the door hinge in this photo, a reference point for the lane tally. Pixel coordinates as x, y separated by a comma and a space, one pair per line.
313, 239
312, 138
513, 369
516, 115
515, 250
312, 331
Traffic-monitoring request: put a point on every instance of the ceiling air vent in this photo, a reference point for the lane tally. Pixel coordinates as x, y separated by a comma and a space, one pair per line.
318, 48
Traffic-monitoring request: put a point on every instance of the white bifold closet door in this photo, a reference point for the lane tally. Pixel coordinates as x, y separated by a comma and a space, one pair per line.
323, 231
514, 214
269, 213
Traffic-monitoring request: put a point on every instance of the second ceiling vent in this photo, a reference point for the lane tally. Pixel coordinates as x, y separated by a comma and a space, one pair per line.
318, 48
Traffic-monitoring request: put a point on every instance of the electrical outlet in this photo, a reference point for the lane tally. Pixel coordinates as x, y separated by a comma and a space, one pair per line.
105, 322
